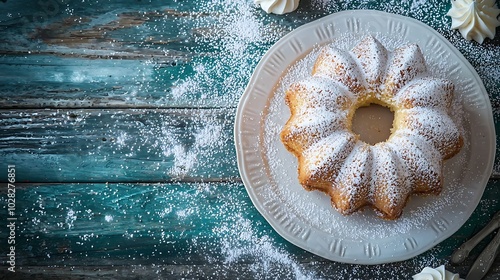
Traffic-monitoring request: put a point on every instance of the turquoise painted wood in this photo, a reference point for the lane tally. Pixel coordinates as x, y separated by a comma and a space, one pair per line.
155, 225
118, 145
165, 54
121, 145
118, 115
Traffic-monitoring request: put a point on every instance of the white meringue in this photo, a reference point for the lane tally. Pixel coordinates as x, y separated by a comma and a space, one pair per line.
475, 19
278, 6
438, 273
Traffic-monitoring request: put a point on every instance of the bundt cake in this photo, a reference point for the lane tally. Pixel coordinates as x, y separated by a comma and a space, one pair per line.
333, 159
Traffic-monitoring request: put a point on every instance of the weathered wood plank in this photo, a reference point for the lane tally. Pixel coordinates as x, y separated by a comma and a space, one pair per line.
118, 145
93, 55
125, 145
311, 270
46, 81
184, 229
174, 223
52, 82
95, 26
207, 40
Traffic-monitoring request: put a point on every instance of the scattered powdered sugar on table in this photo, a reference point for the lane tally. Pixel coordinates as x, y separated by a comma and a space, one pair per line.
246, 239
231, 38
241, 241
244, 36
241, 238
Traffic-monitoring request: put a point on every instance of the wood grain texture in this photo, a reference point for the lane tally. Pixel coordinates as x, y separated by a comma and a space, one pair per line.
142, 94
108, 145
44, 81
324, 270
187, 229
125, 52
120, 145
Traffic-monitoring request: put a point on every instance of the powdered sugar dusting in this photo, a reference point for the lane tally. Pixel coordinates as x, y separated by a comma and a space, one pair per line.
244, 242
422, 10
435, 126
321, 155
313, 207
229, 35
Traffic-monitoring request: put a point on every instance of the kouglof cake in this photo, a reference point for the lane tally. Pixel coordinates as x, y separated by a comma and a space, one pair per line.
333, 159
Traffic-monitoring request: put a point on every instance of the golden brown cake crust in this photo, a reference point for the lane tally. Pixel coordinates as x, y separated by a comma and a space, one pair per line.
333, 159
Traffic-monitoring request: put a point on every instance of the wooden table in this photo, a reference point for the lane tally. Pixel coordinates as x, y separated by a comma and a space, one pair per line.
118, 117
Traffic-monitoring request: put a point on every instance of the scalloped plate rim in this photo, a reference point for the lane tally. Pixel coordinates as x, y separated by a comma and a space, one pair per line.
242, 157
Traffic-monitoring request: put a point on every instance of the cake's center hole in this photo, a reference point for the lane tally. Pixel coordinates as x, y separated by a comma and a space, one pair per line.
373, 123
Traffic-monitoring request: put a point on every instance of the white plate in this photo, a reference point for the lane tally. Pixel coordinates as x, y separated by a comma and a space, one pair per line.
307, 219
